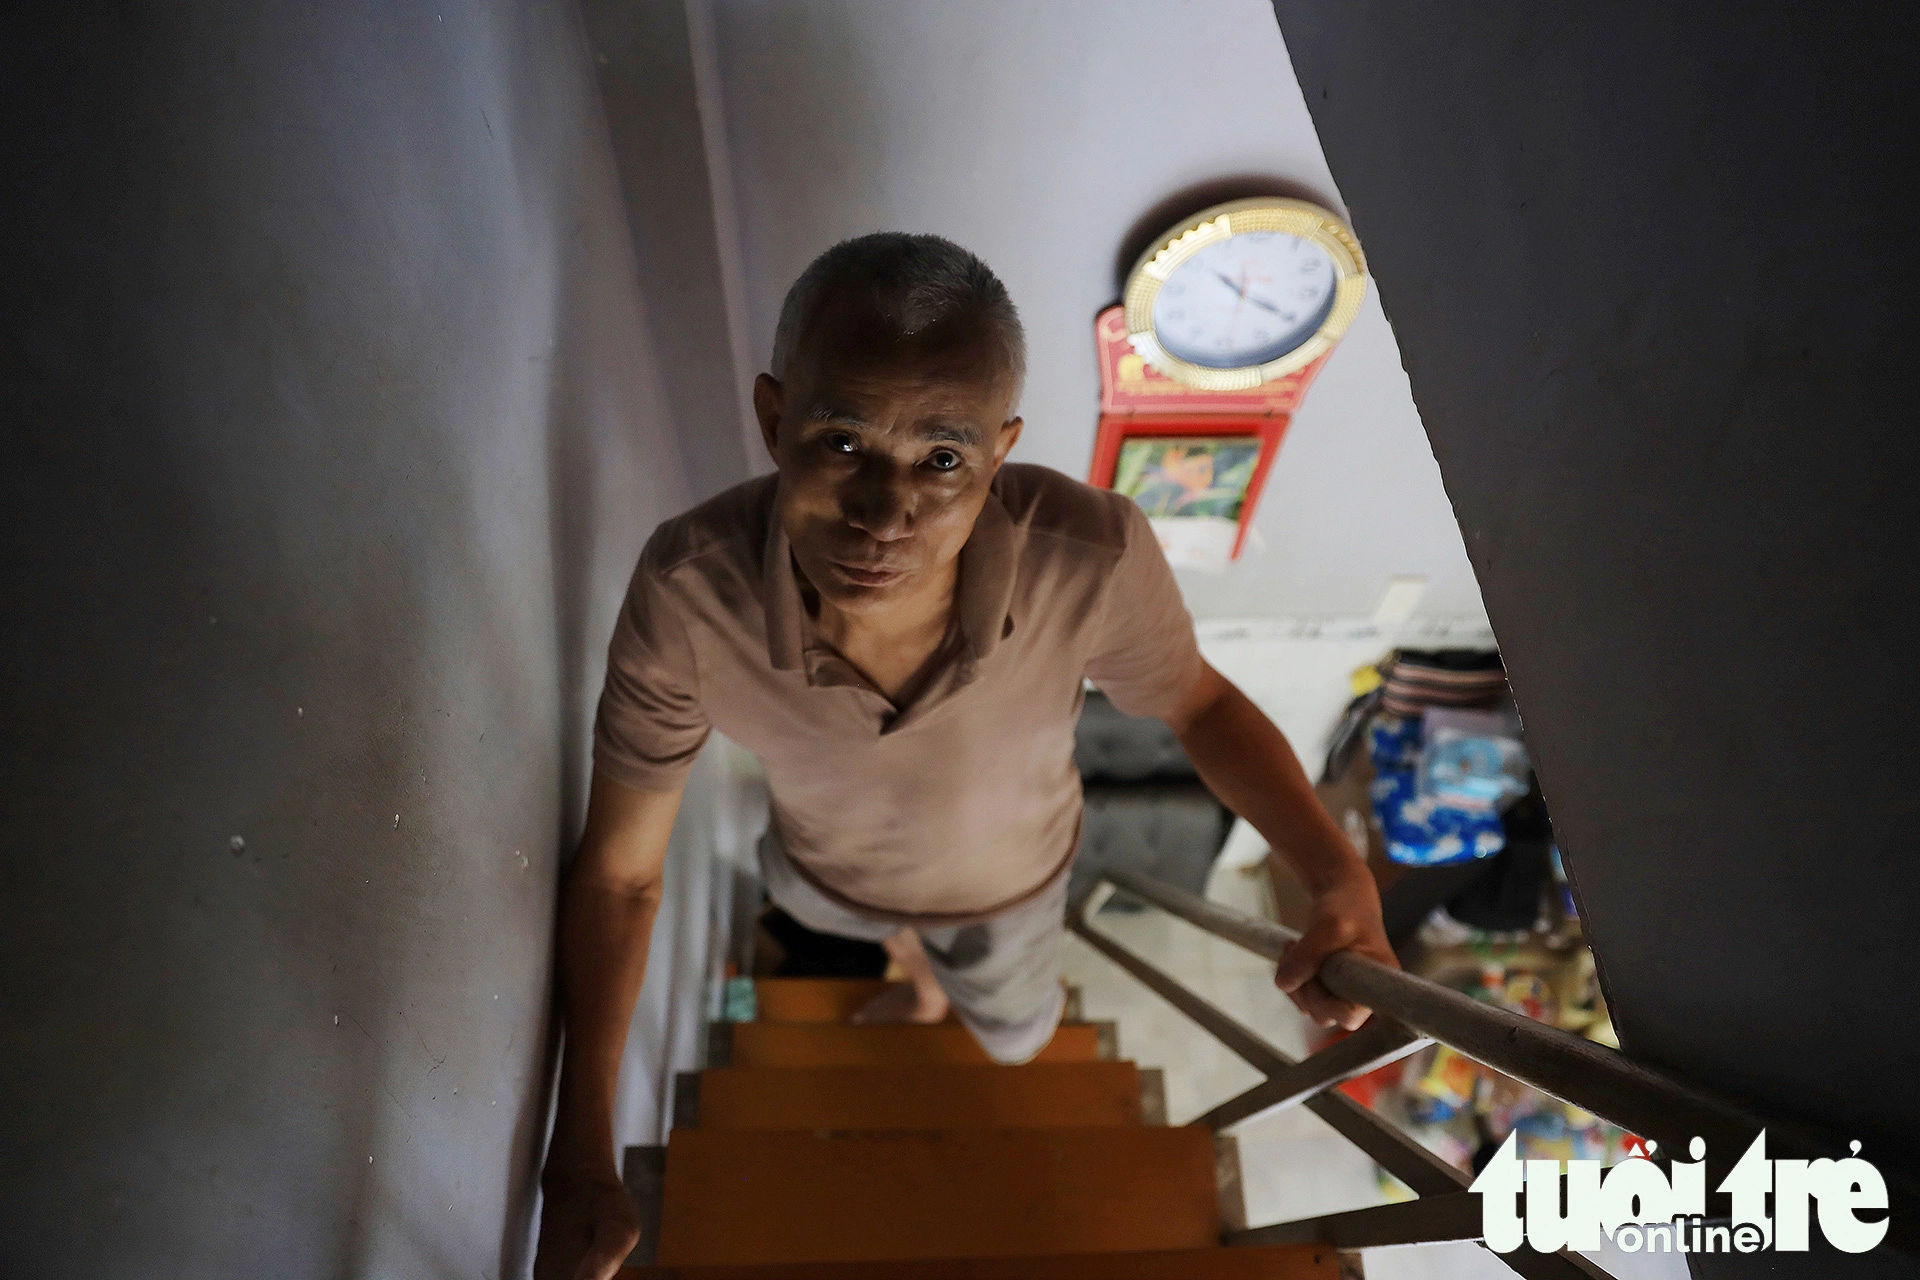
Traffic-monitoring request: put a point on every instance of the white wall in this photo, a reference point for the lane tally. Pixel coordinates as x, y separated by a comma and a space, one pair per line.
1045, 136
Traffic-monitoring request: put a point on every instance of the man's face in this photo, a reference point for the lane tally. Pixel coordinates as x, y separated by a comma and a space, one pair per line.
886, 447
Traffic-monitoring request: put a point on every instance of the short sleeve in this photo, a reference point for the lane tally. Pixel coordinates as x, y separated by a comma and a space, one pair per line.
1145, 656
650, 724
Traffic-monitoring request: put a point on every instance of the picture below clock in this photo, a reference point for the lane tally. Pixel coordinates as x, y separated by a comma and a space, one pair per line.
1245, 292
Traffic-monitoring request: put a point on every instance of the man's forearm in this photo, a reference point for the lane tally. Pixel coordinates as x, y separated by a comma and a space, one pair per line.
1247, 762
605, 926
608, 902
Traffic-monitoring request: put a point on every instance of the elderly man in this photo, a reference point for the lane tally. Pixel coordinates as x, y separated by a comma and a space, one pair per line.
899, 624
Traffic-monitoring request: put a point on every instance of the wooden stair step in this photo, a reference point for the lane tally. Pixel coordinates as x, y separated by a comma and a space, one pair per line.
779, 1196
936, 1095
836, 999
812, 999
827, 1044
1262, 1262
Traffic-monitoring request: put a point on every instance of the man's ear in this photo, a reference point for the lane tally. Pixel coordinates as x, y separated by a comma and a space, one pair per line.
1009, 436
769, 402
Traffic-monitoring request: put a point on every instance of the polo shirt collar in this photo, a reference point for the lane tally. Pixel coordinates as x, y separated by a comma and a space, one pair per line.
987, 570
987, 565
787, 621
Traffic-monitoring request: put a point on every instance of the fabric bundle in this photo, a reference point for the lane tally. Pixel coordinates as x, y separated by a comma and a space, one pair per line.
1416, 680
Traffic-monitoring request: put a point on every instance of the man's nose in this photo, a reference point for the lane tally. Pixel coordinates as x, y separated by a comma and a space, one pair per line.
877, 502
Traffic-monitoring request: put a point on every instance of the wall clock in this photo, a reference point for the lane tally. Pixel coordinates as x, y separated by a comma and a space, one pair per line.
1226, 321
1244, 293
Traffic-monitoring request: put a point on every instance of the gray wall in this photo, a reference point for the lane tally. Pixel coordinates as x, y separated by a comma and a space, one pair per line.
1653, 269
332, 428
1050, 138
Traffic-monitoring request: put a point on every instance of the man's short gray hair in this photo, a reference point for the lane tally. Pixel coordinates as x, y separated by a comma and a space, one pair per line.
915, 281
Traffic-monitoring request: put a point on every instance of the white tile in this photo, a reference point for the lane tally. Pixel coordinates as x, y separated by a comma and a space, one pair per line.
1463, 1261
1456, 1260
1291, 1171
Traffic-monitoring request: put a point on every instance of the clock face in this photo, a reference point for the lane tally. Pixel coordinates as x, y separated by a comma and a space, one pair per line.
1244, 301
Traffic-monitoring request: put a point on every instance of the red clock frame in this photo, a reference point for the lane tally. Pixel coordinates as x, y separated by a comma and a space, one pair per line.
1138, 401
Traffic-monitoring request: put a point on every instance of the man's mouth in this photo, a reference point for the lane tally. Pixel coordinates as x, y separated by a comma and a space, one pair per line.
866, 575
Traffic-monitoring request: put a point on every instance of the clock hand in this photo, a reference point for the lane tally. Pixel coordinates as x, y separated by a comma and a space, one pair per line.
1241, 293
1240, 290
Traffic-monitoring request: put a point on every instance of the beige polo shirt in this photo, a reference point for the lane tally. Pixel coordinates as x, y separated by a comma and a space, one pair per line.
961, 803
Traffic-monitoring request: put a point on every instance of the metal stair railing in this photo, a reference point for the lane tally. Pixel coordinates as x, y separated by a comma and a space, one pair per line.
1410, 1013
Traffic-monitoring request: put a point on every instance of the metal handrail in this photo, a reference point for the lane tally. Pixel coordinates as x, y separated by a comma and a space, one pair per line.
1416, 1010
1607, 1082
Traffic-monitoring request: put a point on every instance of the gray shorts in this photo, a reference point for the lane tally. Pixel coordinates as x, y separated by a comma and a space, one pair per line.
1002, 974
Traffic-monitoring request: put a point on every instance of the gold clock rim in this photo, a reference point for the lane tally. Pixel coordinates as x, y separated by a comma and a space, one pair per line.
1237, 217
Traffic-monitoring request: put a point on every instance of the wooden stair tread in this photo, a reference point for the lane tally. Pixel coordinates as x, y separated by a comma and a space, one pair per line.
771, 1196
835, 999
1263, 1262
813, 999
935, 1095
826, 1044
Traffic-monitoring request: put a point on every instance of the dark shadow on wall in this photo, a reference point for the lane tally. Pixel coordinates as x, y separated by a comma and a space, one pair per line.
571, 497
816, 61
640, 419
1652, 270
1188, 201
647, 84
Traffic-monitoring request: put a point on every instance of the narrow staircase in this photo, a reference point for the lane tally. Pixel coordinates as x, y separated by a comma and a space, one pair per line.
815, 1149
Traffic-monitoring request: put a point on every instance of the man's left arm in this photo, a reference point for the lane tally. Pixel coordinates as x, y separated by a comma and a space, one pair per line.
1247, 762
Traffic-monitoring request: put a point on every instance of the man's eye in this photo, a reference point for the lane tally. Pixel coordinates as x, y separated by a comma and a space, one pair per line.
944, 460
842, 442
